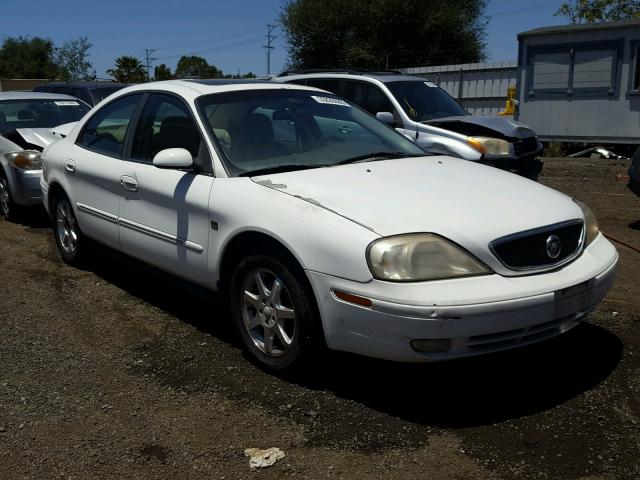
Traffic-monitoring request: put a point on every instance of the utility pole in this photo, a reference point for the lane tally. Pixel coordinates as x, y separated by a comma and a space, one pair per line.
270, 38
148, 59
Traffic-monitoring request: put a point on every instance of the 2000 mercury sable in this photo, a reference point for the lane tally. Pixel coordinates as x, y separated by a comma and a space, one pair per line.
320, 223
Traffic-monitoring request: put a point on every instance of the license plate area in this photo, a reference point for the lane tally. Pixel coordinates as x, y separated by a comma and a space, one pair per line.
573, 299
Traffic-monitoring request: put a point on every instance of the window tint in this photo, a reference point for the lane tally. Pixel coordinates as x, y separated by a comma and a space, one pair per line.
165, 123
367, 96
329, 84
106, 130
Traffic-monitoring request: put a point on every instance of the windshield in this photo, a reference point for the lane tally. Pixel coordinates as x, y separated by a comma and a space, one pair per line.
101, 93
39, 113
424, 101
281, 130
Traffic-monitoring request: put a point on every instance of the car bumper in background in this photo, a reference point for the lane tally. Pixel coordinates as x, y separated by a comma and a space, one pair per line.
430, 321
26, 188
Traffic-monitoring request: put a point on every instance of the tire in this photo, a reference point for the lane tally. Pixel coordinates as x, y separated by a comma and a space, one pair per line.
279, 330
8, 208
70, 240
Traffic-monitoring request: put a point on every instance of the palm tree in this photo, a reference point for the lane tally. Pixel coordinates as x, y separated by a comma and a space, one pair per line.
128, 70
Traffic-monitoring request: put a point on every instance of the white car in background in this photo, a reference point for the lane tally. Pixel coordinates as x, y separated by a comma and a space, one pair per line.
356, 240
26, 121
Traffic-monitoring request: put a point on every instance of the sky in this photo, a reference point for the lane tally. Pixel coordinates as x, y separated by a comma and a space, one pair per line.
229, 34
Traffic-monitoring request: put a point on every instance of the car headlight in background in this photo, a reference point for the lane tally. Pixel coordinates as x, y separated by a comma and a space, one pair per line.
419, 257
590, 223
492, 146
25, 159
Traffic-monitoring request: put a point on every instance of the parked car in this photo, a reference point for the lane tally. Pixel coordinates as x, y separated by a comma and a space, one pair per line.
634, 173
26, 119
322, 225
91, 92
432, 118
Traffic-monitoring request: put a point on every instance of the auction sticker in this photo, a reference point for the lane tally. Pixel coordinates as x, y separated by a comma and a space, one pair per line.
430, 84
67, 103
330, 101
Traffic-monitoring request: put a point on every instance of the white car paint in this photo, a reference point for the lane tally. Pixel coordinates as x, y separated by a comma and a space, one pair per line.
326, 218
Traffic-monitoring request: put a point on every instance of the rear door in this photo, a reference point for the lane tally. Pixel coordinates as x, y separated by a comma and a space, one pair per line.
93, 169
164, 215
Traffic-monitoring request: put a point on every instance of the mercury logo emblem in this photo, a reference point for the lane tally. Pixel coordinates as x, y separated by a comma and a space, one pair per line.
554, 246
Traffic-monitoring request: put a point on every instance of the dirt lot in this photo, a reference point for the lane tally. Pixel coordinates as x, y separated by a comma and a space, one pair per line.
113, 373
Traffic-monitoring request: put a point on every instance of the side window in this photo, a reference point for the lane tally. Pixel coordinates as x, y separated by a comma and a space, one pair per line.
165, 122
368, 97
329, 84
106, 130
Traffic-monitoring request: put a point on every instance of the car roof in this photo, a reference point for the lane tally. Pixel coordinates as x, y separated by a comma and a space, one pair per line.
382, 77
28, 95
195, 88
85, 84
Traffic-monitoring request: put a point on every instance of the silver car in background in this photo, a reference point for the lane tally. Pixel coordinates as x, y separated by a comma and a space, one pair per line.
26, 123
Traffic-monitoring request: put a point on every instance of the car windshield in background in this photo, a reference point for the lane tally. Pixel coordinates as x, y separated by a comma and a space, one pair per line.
100, 94
39, 113
424, 101
264, 131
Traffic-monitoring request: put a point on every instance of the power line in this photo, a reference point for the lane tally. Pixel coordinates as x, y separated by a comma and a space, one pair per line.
148, 59
268, 46
217, 47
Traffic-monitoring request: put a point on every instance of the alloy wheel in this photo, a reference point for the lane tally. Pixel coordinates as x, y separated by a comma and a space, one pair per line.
66, 227
267, 311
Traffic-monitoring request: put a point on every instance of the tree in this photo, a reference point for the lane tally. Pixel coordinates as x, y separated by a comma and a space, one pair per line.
383, 33
592, 11
22, 57
195, 66
128, 70
249, 75
72, 60
162, 72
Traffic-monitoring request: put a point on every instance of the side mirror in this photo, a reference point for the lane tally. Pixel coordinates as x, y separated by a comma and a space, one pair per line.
173, 158
386, 117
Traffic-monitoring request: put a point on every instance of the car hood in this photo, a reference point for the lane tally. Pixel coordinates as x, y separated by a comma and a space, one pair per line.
467, 124
38, 137
468, 203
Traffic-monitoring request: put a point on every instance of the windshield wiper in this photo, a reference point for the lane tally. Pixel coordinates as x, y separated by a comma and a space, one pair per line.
378, 156
278, 169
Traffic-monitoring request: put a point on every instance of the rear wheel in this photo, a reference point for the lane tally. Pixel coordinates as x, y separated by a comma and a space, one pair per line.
8, 208
69, 239
273, 311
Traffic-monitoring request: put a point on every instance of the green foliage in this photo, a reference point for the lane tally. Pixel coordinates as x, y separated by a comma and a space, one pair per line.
162, 72
380, 33
72, 60
23, 57
195, 66
592, 11
128, 70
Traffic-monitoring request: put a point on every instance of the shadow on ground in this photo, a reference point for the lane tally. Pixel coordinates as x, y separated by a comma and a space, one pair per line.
456, 394
635, 225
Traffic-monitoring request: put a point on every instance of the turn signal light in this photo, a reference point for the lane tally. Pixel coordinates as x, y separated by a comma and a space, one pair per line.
349, 297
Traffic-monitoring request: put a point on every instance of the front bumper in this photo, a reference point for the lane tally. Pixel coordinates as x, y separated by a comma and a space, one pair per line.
26, 187
477, 315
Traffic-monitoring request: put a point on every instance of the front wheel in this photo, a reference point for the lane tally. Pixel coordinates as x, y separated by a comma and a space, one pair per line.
8, 208
69, 239
273, 311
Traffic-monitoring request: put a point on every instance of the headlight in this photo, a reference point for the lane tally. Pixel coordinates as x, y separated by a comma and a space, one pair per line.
492, 146
590, 223
25, 159
420, 256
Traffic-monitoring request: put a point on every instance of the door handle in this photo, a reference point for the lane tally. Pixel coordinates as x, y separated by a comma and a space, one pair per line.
129, 183
70, 166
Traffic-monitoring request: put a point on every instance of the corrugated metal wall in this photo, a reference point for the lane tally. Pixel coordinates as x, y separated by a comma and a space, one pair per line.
480, 87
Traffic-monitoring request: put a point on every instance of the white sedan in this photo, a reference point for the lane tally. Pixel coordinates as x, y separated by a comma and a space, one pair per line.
323, 226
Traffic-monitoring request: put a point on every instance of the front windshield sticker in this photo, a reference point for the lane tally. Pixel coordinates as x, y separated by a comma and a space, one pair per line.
430, 84
330, 101
67, 103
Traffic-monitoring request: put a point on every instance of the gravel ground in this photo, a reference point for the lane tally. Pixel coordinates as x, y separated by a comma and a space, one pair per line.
115, 373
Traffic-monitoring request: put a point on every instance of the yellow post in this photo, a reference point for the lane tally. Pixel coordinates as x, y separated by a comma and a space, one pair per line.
510, 107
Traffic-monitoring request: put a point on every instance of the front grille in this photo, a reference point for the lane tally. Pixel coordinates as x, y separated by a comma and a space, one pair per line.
529, 250
528, 145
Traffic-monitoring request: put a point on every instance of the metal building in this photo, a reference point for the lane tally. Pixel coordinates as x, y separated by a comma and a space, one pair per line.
481, 88
581, 83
